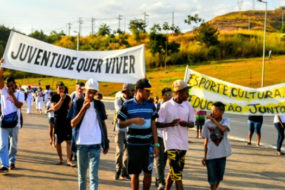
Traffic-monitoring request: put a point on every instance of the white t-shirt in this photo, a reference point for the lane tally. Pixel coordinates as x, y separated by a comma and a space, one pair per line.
47, 94
282, 118
175, 137
51, 113
89, 131
218, 144
7, 104
29, 95
40, 97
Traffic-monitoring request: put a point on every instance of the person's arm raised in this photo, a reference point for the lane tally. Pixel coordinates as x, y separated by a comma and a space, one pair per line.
57, 106
75, 121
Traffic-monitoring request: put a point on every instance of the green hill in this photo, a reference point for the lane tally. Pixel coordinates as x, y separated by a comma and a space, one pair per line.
254, 19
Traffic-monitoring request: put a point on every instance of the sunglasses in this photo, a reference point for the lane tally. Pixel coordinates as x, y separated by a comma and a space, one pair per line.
168, 94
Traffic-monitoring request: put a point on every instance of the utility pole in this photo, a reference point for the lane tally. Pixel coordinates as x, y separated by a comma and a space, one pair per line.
282, 19
125, 22
79, 31
68, 28
92, 25
144, 17
264, 42
172, 18
119, 22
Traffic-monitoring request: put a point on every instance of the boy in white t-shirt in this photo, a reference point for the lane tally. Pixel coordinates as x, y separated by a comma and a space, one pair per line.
11, 103
92, 134
216, 144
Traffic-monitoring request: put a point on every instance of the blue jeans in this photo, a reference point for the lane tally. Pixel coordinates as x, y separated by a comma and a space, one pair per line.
88, 154
216, 170
254, 126
280, 138
8, 145
73, 140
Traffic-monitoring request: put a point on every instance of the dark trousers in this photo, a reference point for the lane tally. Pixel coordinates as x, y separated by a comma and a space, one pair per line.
161, 162
280, 138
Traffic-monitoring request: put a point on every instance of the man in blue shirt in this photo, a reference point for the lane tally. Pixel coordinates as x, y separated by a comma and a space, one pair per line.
139, 116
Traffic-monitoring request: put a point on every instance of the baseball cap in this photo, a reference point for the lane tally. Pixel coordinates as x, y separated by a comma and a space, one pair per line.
180, 85
92, 84
142, 84
128, 86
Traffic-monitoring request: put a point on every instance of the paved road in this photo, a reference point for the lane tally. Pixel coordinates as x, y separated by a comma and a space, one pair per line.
240, 128
248, 168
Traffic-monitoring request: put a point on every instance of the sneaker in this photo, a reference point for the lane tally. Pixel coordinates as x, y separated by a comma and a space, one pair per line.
12, 166
126, 177
117, 175
160, 187
4, 170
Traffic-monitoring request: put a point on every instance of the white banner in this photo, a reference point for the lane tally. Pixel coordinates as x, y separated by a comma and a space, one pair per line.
238, 99
30, 55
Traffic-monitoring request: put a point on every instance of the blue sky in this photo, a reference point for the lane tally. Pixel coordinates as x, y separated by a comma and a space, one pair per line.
48, 15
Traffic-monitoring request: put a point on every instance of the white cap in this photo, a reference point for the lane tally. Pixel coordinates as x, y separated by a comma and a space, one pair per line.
92, 84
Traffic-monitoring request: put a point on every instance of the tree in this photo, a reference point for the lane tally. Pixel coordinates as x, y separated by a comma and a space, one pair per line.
207, 34
166, 27
40, 35
55, 36
196, 19
137, 26
104, 30
158, 44
4, 35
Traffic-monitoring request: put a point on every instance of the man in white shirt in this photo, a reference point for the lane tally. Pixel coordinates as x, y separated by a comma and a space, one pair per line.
11, 103
121, 154
175, 117
90, 121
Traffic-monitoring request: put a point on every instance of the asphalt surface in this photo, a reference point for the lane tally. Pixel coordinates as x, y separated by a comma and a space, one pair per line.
249, 167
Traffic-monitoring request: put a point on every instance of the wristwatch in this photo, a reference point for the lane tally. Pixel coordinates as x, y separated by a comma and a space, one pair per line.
156, 144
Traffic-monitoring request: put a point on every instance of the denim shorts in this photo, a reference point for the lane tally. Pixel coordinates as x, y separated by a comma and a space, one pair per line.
254, 126
216, 170
51, 120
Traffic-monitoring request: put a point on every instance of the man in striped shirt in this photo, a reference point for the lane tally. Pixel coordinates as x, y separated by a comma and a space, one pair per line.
139, 116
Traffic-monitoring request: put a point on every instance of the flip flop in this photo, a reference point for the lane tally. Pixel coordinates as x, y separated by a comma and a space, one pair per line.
71, 165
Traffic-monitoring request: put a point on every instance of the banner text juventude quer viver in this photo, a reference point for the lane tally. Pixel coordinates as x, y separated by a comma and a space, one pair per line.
30, 55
